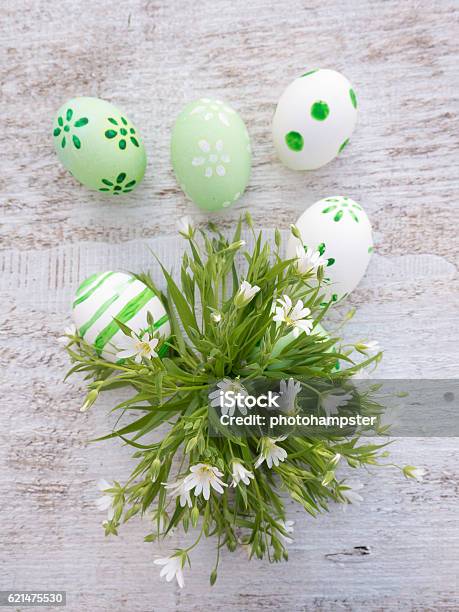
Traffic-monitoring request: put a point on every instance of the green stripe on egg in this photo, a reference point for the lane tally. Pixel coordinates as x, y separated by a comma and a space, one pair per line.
104, 307
102, 278
124, 316
86, 283
102, 298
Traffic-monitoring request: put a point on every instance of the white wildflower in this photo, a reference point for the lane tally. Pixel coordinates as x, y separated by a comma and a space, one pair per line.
177, 489
331, 402
308, 260
270, 452
245, 294
240, 473
217, 398
368, 347
70, 330
202, 478
185, 227
139, 347
216, 316
172, 568
105, 503
418, 473
293, 316
288, 392
414, 472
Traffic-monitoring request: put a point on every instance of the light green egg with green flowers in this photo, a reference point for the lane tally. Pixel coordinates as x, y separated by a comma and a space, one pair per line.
99, 145
211, 154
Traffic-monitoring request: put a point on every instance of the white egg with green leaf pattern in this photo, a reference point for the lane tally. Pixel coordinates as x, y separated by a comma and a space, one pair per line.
340, 229
102, 299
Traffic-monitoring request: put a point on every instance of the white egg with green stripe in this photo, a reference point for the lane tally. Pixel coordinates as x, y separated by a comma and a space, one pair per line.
102, 299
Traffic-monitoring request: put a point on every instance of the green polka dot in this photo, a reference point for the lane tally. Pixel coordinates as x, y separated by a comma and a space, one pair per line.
345, 143
353, 98
294, 141
320, 110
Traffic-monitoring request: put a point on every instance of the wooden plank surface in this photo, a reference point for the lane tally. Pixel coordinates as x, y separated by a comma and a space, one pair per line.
150, 58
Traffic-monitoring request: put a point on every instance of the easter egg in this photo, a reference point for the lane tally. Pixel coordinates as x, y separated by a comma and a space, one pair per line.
211, 154
107, 296
339, 228
99, 145
314, 119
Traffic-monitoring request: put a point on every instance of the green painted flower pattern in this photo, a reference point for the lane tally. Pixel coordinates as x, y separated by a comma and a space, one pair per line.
310, 72
339, 206
322, 248
119, 185
65, 128
353, 98
345, 143
122, 132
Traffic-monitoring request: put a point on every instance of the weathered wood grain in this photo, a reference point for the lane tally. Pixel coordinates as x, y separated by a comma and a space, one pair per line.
150, 58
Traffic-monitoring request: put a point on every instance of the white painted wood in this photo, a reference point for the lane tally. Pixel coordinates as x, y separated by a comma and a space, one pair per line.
150, 58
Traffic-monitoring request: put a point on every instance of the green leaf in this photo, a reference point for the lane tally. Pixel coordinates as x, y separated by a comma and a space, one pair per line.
184, 311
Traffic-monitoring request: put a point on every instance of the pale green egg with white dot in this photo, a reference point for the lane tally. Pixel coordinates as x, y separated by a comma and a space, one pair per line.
340, 230
99, 146
211, 154
107, 297
314, 119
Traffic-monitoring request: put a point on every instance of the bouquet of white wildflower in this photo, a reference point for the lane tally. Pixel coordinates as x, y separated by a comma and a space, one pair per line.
231, 327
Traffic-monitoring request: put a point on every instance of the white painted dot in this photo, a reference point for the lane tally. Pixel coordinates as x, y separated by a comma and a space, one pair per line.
204, 146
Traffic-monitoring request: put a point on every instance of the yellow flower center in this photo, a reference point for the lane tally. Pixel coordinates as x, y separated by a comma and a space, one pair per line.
143, 348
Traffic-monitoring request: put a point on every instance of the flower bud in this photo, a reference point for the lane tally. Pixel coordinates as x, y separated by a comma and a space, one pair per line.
89, 401
231, 544
155, 468
195, 516
295, 231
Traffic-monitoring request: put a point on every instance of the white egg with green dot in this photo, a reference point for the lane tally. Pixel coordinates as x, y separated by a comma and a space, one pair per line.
340, 229
314, 119
107, 296
99, 146
211, 154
